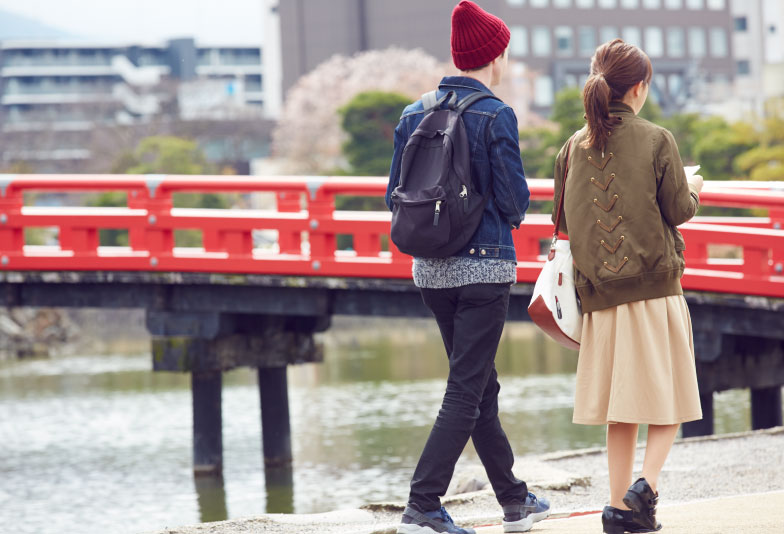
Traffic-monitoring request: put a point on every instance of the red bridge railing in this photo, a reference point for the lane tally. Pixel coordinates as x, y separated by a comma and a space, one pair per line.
742, 255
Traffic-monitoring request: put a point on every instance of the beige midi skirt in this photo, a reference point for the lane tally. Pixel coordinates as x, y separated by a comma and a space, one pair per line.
636, 365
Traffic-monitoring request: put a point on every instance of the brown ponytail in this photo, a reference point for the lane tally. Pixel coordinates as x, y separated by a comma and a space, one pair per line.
616, 67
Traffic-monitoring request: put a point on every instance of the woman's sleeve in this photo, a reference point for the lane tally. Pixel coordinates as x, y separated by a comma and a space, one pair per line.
678, 200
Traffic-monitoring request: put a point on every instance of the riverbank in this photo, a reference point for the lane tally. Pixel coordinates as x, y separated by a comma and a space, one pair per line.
574, 481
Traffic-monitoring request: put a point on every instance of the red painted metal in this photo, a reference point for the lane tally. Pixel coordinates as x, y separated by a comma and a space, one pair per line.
725, 254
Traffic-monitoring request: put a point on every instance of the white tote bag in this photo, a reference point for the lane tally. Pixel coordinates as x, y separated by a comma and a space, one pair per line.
555, 307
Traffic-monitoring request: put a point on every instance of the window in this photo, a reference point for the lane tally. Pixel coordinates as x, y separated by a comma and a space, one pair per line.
564, 41
697, 47
538, 3
570, 80
608, 4
673, 4
740, 24
608, 33
585, 4
719, 46
651, 4
630, 4
587, 41
631, 35
676, 42
743, 67
654, 42
518, 44
694, 4
717, 5
543, 91
675, 81
540, 41
516, 2
562, 3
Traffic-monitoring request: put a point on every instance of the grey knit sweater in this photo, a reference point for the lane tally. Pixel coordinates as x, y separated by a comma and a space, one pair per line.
454, 271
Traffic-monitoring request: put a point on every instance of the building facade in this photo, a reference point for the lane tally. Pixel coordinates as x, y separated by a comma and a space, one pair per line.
758, 42
57, 93
690, 42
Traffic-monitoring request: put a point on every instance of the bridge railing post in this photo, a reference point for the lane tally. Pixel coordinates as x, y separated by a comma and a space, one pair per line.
289, 202
158, 235
323, 241
12, 237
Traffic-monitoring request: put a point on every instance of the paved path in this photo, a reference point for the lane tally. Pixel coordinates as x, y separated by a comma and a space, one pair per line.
715, 485
752, 514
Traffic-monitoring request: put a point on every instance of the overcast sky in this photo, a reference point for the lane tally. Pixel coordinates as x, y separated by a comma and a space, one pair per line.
209, 21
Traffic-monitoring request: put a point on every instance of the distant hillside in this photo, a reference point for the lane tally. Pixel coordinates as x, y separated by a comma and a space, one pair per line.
13, 26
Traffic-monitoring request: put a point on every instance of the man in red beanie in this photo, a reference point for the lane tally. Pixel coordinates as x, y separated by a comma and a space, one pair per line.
468, 292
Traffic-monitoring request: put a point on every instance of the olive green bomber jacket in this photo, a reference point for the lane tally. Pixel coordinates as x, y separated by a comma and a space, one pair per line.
621, 210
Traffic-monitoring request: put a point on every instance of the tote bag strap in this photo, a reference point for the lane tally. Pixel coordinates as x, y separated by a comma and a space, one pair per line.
559, 213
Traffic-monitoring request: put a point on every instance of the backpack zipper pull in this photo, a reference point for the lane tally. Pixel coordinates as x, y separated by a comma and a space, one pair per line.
464, 196
438, 213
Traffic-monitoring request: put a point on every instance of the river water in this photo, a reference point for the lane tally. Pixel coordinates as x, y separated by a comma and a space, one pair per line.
100, 444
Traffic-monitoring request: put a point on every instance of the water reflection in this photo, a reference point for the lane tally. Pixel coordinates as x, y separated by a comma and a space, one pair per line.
279, 482
211, 498
93, 442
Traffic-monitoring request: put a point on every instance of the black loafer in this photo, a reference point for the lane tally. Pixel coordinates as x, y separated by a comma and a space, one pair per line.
641, 498
615, 521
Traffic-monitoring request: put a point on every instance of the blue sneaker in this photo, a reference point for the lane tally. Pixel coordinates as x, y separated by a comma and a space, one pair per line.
437, 521
521, 517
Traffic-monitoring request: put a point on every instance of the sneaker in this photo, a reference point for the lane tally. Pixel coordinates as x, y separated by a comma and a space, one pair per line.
616, 521
437, 521
641, 498
521, 517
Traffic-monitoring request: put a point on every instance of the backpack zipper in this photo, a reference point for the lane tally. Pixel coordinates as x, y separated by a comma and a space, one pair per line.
464, 196
438, 213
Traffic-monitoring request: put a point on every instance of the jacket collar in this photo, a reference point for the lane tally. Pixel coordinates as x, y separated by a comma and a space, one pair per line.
463, 82
620, 108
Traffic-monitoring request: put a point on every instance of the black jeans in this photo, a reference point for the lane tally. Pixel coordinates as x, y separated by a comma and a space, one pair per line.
471, 319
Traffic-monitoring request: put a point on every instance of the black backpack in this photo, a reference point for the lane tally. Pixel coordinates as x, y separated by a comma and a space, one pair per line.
436, 207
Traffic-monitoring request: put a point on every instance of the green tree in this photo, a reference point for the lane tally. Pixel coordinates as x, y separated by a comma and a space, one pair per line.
162, 155
717, 146
568, 113
540, 146
370, 119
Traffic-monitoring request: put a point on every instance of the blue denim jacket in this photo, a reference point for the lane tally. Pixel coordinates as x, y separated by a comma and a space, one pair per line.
496, 166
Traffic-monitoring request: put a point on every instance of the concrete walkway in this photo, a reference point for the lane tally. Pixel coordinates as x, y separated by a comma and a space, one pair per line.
757, 514
713, 485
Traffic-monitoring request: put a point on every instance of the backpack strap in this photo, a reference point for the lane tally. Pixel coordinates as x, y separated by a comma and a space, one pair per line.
470, 99
431, 103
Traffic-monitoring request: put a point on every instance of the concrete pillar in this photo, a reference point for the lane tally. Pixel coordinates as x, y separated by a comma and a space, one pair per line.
703, 427
207, 423
275, 426
766, 408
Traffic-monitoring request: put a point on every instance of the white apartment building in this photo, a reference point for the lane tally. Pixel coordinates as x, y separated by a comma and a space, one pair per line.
59, 91
758, 42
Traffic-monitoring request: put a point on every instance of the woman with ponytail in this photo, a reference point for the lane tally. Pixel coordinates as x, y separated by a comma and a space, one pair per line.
626, 193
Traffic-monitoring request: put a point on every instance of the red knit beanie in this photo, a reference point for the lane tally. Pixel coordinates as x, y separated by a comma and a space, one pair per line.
477, 36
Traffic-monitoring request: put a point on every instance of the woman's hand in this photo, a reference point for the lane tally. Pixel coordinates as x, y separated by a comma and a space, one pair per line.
696, 181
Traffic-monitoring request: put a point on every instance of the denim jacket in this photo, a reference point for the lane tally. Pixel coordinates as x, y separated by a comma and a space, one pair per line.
496, 166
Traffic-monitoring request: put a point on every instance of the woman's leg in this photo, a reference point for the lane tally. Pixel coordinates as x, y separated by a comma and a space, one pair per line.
621, 446
660, 440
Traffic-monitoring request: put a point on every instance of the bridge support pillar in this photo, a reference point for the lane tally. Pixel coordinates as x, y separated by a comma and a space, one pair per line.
703, 427
275, 425
207, 423
766, 407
